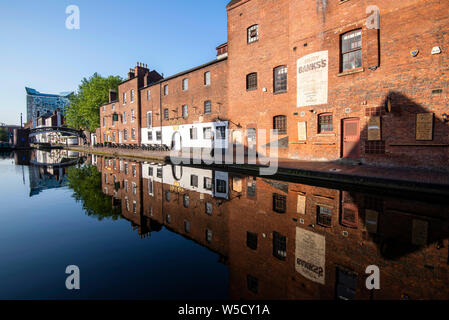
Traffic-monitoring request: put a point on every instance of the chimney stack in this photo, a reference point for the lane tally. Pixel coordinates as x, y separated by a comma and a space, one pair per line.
131, 74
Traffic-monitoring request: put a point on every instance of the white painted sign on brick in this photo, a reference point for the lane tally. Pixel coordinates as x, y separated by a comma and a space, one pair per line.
312, 73
310, 260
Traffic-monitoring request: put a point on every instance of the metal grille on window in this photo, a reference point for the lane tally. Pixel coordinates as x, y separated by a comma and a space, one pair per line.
280, 79
325, 123
351, 50
279, 203
207, 107
253, 33
251, 81
279, 246
280, 124
324, 216
251, 240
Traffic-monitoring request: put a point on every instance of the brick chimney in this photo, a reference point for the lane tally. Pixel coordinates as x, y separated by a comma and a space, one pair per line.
112, 95
140, 69
131, 74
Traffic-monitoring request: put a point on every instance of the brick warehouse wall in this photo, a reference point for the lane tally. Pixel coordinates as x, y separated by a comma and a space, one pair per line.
412, 84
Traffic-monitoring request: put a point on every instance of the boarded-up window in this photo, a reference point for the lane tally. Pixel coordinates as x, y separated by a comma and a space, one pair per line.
374, 129
424, 126
302, 131
301, 205
237, 184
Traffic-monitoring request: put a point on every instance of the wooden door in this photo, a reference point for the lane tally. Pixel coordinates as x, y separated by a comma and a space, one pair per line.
351, 138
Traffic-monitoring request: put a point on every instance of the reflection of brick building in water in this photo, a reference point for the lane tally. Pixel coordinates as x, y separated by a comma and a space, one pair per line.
285, 240
342, 233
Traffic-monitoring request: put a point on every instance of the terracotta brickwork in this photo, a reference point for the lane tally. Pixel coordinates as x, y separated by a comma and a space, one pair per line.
390, 82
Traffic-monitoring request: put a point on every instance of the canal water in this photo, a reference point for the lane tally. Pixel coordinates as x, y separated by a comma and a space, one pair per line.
140, 230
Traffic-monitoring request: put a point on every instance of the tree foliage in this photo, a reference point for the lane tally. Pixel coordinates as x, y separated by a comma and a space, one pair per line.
86, 184
84, 110
3, 134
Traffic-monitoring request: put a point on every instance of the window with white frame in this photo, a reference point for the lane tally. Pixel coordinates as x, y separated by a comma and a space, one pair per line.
150, 187
207, 78
166, 90
133, 134
124, 97
207, 133
134, 188
185, 84
148, 94
207, 107
124, 117
132, 96
132, 115
185, 111
149, 119
253, 33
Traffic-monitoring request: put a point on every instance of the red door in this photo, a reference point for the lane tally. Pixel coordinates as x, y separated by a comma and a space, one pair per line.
351, 138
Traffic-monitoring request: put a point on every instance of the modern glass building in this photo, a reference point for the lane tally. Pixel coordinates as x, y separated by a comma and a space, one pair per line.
39, 104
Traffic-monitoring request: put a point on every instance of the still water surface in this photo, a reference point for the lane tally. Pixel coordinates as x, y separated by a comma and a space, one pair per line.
144, 230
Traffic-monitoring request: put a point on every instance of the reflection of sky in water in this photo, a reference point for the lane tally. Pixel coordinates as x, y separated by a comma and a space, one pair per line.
41, 235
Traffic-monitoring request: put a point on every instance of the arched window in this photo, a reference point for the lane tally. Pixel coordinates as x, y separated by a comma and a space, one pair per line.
280, 124
251, 81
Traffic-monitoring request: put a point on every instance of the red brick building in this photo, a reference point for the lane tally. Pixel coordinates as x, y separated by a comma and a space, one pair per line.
188, 106
335, 87
336, 79
119, 119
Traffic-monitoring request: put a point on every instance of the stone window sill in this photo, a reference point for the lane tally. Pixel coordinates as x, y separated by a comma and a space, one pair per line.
325, 135
345, 73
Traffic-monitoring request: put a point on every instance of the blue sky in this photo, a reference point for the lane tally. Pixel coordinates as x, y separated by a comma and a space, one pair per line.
39, 52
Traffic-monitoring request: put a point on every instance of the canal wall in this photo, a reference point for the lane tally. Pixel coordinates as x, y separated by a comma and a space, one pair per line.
425, 183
